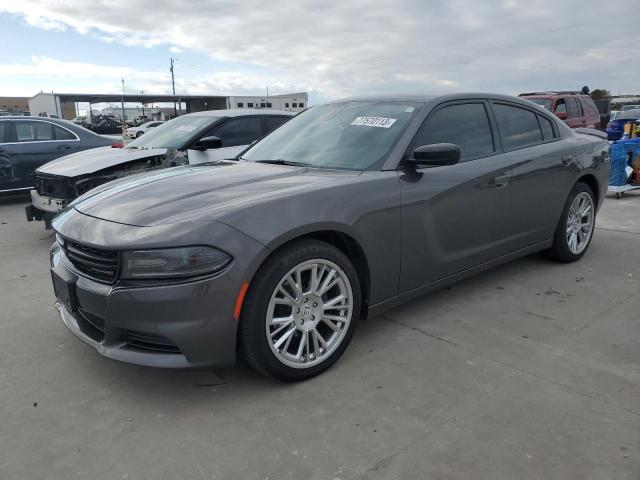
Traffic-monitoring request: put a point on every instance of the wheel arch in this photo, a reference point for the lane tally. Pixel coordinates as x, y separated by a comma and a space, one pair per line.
592, 182
342, 237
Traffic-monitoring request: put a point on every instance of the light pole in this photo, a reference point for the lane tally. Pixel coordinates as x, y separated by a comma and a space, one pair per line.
173, 86
122, 102
142, 102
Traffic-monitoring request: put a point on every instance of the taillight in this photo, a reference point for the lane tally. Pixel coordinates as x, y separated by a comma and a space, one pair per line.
117, 145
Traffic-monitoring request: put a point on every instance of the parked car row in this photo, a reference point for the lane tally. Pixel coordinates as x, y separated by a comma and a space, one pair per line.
193, 138
345, 210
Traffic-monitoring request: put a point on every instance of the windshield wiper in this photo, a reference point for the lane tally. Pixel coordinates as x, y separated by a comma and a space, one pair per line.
279, 161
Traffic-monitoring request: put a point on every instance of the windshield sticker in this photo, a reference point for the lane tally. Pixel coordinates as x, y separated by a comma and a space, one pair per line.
379, 122
409, 109
186, 128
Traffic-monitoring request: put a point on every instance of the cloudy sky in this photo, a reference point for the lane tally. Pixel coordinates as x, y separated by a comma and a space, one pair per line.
331, 48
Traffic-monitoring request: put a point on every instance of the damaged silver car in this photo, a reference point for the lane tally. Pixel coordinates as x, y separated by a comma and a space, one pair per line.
189, 139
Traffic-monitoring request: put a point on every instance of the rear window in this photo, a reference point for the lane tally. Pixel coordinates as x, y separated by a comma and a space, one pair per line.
33, 131
518, 127
575, 110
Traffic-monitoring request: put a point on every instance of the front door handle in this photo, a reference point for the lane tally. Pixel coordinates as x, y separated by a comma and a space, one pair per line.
566, 159
63, 147
501, 180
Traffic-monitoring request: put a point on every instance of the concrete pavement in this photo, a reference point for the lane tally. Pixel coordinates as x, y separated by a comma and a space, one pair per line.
529, 371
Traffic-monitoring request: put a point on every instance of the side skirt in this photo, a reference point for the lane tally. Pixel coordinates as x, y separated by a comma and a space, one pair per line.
382, 307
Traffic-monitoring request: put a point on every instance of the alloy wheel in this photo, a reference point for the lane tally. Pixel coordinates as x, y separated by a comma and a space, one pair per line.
309, 313
580, 223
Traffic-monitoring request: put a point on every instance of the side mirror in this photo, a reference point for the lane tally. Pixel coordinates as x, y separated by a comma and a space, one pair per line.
207, 143
562, 115
435, 155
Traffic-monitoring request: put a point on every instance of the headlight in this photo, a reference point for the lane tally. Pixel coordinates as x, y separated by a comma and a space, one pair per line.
173, 262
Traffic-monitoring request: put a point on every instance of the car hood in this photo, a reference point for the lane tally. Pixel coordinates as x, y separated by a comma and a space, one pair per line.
199, 192
95, 159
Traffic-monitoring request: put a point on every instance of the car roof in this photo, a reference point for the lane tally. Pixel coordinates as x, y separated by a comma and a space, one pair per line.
429, 98
33, 117
239, 112
552, 94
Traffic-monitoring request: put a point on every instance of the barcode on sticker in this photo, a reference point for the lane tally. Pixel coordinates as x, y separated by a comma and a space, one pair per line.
379, 122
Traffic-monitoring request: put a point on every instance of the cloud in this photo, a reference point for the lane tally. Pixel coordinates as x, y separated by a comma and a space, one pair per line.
342, 48
95, 78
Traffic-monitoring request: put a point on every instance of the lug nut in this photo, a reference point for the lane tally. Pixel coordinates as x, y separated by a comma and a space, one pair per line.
315, 304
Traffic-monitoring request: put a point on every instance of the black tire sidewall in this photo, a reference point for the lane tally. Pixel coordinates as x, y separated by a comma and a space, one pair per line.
253, 341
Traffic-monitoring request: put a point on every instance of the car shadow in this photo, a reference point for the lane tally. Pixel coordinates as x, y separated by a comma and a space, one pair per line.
240, 383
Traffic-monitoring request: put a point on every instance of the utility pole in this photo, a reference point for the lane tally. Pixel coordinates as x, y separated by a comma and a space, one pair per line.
173, 86
122, 101
142, 93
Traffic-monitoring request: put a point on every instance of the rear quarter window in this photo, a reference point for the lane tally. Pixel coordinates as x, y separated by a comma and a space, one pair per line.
548, 132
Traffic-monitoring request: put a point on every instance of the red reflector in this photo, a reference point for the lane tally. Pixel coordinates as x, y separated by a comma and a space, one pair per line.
117, 145
239, 300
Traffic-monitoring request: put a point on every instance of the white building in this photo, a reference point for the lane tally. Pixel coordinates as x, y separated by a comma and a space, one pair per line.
65, 105
290, 102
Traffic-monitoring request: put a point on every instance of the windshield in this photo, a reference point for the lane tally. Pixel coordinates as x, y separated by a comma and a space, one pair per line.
349, 135
173, 134
543, 102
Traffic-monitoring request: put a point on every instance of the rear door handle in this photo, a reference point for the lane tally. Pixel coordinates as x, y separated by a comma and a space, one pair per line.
566, 159
63, 147
501, 180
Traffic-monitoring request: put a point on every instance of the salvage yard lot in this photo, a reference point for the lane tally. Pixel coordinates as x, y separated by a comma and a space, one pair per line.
528, 371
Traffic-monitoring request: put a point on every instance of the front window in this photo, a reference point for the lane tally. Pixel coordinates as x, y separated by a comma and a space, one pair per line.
349, 136
173, 134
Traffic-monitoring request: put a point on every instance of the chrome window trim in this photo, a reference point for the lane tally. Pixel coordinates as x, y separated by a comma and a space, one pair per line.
77, 139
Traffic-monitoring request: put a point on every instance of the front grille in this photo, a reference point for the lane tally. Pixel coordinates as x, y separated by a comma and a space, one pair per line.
145, 341
97, 263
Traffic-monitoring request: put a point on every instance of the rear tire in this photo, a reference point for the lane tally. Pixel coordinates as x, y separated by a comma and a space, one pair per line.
576, 225
293, 325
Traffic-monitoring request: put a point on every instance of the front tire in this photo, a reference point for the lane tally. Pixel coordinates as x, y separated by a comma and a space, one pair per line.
301, 311
576, 226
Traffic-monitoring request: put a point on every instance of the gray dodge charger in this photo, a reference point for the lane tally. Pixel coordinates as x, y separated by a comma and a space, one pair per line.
349, 209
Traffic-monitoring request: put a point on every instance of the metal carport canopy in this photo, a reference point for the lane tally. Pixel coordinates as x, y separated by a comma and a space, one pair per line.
107, 98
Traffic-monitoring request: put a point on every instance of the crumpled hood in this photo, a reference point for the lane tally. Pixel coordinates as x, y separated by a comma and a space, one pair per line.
95, 159
199, 192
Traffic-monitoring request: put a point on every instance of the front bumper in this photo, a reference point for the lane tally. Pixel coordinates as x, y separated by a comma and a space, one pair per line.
180, 325
43, 208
